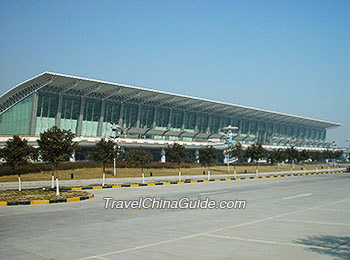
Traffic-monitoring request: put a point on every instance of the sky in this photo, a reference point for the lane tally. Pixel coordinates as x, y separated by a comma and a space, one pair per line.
285, 56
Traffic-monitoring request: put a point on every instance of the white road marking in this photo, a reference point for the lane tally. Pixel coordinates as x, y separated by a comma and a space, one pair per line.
297, 196
339, 210
212, 193
208, 232
314, 222
262, 241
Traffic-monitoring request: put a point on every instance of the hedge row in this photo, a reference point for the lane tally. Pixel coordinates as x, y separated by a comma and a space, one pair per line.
39, 167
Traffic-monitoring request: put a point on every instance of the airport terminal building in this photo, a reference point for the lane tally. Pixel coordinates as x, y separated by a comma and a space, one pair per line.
150, 118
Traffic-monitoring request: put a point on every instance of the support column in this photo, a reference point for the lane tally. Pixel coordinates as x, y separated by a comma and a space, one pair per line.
138, 117
196, 124
170, 114
100, 121
80, 118
32, 122
59, 110
209, 122
183, 121
121, 114
249, 126
240, 126
154, 124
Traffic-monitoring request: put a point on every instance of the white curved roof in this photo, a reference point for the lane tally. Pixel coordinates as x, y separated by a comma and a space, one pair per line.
79, 86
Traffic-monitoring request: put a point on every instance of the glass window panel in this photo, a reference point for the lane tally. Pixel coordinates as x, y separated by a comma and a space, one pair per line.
147, 116
202, 123
162, 118
176, 119
130, 115
214, 124
190, 120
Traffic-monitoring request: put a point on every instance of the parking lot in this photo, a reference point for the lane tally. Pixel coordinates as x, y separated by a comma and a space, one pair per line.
304, 217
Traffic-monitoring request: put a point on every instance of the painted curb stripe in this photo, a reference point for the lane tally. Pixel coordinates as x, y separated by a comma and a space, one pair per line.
41, 202
4, 203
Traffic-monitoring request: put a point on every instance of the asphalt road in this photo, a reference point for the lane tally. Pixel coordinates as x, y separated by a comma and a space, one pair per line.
285, 218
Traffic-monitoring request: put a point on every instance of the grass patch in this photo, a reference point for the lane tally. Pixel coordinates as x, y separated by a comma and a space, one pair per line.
38, 194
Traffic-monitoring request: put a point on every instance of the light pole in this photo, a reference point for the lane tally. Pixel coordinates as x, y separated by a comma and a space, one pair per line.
116, 129
334, 145
228, 143
292, 145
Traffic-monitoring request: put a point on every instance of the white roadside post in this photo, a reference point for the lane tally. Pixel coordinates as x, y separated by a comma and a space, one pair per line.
57, 188
179, 175
143, 178
19, 182
208, 174
103, 179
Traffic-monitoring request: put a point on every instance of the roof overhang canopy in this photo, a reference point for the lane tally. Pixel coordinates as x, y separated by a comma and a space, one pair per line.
90, 88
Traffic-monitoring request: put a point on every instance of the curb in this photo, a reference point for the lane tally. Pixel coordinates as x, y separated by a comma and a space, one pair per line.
39, 202
193, 181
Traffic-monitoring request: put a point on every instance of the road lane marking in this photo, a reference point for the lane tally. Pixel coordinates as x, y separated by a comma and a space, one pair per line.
314, 222
210, 231
287, 189
212, 193
297, 196
262, 241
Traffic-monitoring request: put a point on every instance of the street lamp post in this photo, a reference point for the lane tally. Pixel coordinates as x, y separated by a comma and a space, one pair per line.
228, 143
334, 145
292, 145
116, 130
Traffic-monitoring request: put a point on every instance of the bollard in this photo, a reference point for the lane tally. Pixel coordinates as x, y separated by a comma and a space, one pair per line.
72, 176
103, 179
143, 178
19, 182
57, 188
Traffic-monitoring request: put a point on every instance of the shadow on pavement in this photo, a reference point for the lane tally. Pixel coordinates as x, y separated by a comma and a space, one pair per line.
334, 246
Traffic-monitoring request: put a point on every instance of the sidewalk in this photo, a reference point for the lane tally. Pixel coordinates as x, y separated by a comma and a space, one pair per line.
117, 181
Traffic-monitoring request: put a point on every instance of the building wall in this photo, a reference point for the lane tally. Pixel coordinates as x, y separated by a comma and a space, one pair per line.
90, 117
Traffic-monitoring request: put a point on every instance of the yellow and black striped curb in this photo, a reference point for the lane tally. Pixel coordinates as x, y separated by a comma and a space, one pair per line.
193, 181
39, 202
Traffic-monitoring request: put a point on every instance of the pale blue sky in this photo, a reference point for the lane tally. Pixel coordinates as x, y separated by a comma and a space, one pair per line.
287, 56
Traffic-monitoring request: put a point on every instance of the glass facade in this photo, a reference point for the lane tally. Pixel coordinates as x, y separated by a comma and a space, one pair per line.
202, 123
67, 109
46, 112
190, 121
130, 115
146, 117
91, 117
70, 110
16, 119
162, 118
176, 120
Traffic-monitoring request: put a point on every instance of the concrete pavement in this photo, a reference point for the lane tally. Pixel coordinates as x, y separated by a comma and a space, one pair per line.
285, 218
